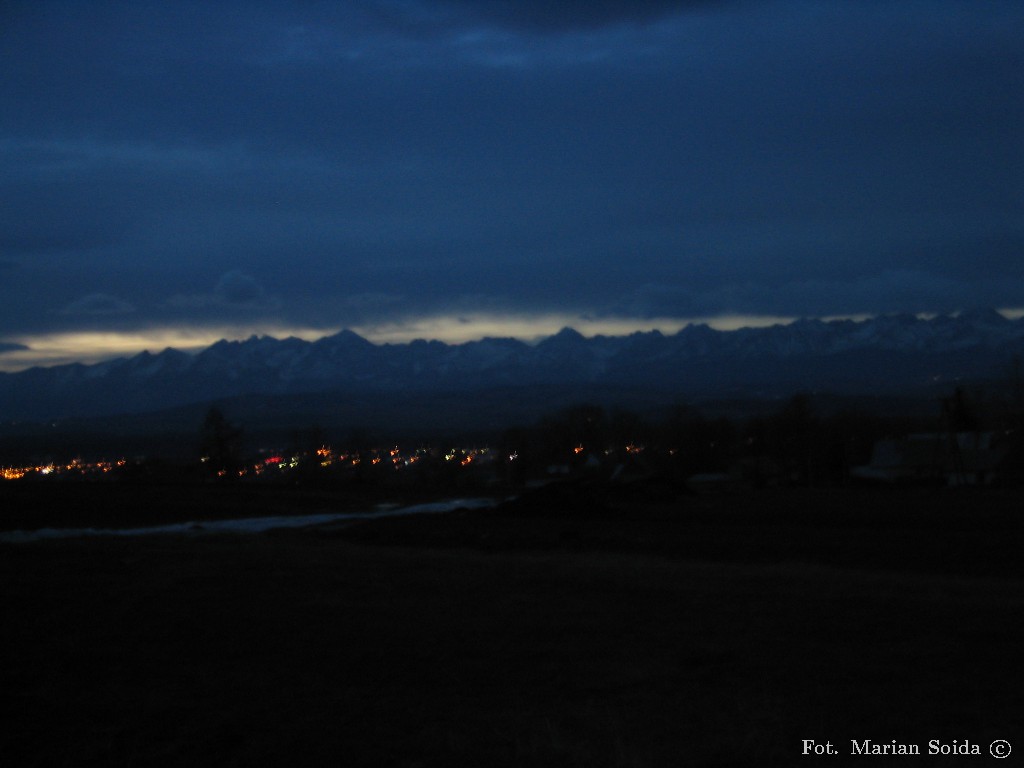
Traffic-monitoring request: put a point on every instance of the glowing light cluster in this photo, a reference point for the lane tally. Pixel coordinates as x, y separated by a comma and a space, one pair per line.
75, 467
325, 458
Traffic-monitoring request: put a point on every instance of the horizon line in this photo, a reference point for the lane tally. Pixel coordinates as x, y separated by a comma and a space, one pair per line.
93, 347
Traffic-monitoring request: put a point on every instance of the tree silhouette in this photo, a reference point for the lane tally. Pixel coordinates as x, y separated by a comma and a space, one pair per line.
959, 413
220, 444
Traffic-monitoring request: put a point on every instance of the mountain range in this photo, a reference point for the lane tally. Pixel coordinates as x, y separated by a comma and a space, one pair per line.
882, 355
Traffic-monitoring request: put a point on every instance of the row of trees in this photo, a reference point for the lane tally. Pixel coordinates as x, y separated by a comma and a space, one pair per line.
797, 442
802, 441
793, 442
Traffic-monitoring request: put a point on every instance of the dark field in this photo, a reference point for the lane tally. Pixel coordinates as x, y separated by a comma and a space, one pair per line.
585, 626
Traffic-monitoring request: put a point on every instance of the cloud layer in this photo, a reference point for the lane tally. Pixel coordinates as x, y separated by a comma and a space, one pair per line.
195, 165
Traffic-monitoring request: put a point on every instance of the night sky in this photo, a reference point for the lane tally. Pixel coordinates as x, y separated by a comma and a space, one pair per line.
175, 172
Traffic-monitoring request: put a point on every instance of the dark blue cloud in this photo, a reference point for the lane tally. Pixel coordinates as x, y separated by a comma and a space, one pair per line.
644, 159
537, 15
887, 291
98, 304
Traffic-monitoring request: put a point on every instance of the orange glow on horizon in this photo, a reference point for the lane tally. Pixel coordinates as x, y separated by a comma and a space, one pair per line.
96, 346
458, 329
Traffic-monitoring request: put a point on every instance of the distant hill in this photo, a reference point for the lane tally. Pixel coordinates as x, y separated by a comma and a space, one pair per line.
887, 355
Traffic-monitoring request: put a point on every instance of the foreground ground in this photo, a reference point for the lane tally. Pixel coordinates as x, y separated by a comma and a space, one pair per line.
645, 632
